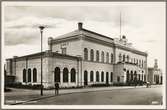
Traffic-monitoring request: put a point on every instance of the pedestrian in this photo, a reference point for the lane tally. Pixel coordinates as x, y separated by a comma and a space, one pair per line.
56, 88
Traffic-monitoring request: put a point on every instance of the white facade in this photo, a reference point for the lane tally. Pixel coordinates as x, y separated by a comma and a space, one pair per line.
87, 53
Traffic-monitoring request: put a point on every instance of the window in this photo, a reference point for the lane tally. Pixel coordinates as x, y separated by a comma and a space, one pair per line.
144, 77
131, 75
127, 76
91, 55
85, 53
57, 74
135, 76
120, 57
139, 63
73, 74
123, 58
111, 77
102, 56
63, 50
118, 78
102, 76
24, 75
65, 75
112, 58
107, 57
127, 58
139, 77
91, 76
29, 75
97, 76
97, 56
34, 75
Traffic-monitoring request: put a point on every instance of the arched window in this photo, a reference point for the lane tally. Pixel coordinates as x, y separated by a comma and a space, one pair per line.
29, 75
127, 58
102, 56
57, 74
85, 77
120, 57
135, 76
139, 63
91, 76
91, 55
112, 58
97, 76
131, 75
85, 53
144, 77
123, 58
97, 56
24, 75
65, 75
107, 57
142, 63
127, 76
73, 74
139, 77
111, 77
34, 75
102, 76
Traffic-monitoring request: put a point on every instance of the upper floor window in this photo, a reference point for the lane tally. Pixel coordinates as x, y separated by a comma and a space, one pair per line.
123, 58
97, 55
112, 58
85, 53
64, 50
107, 57
127, 58
91, 55
139, 63
120, 57
102, 56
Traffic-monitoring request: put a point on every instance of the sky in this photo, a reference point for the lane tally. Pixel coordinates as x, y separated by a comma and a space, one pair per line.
143, 24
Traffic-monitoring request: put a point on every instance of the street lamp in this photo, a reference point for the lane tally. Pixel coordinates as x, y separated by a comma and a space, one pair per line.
41, 30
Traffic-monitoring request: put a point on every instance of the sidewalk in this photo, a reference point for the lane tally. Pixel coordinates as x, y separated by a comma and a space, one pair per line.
19, 96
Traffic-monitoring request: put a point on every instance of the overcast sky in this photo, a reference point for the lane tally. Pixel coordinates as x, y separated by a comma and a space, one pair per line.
142, 23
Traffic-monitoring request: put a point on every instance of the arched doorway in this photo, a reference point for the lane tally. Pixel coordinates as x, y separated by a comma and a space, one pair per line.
85, 78
57, 74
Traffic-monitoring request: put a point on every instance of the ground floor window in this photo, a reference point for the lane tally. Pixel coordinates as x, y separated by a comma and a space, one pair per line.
118, 78
102, 76
111, 77
91, 76
34, 75
97, 76
29, 75
73, 74
24, 75
57, 74
65, 75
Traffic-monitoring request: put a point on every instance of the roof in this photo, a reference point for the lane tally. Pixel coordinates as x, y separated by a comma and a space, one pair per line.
86, 33
46, 53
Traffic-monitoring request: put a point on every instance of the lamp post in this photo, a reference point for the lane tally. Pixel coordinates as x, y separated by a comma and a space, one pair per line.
41, 30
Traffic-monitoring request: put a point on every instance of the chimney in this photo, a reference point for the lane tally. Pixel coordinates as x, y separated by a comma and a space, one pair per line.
80, 26
155, 63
